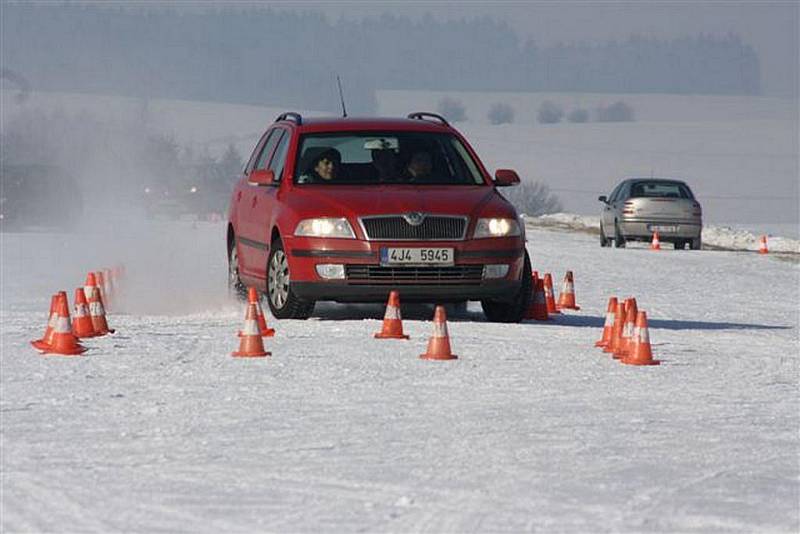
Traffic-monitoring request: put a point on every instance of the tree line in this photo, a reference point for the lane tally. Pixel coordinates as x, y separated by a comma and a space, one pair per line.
264, 56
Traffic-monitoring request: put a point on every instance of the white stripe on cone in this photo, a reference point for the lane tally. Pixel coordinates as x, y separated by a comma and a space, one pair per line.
63, 326
81, 310
644, 336
96, 309
392, 312
251, 328
609, 319
439, 329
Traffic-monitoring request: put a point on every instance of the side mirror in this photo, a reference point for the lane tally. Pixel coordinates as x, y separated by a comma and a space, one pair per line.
262, 177
603, 198
505, 177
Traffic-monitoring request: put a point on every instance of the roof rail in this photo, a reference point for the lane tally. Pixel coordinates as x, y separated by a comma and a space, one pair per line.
290, 115
426, 115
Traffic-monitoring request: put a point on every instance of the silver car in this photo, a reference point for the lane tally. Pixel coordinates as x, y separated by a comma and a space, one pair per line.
638, 207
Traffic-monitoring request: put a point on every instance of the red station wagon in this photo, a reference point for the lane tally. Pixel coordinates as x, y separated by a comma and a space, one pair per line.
348, 209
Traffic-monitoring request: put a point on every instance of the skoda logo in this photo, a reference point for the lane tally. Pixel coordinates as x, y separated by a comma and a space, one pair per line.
414, 218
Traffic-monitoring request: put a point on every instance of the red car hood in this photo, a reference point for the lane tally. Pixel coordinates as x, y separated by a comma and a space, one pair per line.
355, 201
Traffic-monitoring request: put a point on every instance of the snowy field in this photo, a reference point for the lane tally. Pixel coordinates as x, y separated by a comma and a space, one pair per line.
157, 428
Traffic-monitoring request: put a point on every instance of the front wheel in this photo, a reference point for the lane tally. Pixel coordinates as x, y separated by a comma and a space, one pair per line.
513, 311
283, 303
604, 242
236, 288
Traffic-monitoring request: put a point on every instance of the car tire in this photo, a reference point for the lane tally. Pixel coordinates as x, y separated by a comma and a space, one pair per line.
604, 242
236, 288
283, 303
696, 243
619, 241
514, 311
680, 244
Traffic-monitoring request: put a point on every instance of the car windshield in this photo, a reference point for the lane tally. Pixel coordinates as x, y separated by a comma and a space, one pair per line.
413, 158
660, 190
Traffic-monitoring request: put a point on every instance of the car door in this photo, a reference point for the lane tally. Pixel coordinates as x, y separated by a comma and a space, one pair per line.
252, 245
607, 216
265, 197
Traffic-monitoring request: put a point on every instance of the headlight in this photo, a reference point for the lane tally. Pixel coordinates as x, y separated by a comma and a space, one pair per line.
496, 228
324, 227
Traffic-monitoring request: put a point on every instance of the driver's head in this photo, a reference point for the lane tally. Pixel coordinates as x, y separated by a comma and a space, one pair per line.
326, 164
420, 165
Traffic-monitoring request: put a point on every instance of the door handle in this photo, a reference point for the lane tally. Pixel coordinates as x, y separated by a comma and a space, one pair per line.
254, 202
238, 196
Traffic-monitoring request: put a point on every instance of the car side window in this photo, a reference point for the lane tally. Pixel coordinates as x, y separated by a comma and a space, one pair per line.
624, 191
615, 193
263, 158
279, 159
256, 152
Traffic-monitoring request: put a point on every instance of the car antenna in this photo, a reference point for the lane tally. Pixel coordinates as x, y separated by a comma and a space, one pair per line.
341, 95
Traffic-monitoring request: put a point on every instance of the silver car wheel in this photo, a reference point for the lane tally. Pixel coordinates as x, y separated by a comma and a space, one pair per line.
278, 279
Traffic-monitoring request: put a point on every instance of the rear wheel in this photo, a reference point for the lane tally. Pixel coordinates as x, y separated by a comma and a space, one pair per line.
696, 243
619, 241
513, 311
283, 303
680, 244
235, 286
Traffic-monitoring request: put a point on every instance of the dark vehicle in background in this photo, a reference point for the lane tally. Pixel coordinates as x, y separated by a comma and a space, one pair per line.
38, 196
638, 207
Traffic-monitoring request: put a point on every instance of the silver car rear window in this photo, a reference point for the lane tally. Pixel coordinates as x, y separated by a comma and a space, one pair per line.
660, 190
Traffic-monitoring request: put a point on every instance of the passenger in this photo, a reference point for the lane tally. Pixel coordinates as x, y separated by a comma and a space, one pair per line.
323, 168
420, 166
385, 162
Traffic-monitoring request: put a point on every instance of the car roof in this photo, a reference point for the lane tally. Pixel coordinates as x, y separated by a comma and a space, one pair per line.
662, 180
352, 124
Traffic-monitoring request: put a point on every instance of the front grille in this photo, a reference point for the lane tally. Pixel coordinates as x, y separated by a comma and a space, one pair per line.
378, 274
433, 227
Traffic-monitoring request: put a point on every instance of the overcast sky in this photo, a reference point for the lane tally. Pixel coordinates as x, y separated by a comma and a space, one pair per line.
771, 27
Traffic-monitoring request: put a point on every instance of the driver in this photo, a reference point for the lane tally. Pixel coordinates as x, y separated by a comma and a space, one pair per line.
323, 168
419, 166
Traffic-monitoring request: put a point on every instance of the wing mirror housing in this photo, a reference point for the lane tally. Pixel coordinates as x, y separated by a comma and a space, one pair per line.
505, 177
603, 198
262, 177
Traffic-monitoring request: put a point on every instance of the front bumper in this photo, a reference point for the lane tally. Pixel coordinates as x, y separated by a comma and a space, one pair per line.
366, 280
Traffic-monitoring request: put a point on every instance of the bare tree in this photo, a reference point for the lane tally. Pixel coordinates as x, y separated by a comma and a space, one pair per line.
533, 199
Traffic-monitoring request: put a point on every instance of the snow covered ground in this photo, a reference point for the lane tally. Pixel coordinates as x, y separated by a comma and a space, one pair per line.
532, 429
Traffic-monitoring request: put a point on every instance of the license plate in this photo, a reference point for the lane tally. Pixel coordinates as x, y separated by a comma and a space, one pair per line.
663, 228
416, 256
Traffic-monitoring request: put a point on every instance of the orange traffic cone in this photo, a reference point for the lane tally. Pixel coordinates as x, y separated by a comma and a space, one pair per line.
251, 345
98, 313
538, 308
91, 281
439, 342
608, 327
619, 321
549, 296
253, 298
47, 338
655, 244
82, 324
566, 300
64, 341
626, 339
762, 247
392, 320
642, 353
